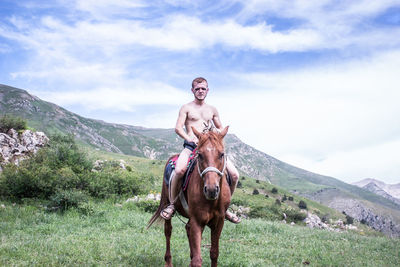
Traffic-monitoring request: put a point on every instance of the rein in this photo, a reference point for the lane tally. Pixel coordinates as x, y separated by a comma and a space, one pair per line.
212, 169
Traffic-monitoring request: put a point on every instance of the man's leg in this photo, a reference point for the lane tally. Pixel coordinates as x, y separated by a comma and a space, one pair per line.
176, 182
234, 174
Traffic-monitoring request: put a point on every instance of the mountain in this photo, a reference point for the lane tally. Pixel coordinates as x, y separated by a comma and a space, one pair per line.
160, 143
389, 191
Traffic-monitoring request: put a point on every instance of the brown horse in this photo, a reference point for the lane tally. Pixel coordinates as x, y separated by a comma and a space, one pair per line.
208, 197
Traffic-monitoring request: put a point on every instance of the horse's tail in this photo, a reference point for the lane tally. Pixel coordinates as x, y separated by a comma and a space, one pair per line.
163, 203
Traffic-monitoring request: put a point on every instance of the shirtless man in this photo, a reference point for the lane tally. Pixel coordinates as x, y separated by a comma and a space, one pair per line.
195, 114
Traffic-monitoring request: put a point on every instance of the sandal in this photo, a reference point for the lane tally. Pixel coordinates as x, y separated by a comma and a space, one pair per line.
167, 213
232, 217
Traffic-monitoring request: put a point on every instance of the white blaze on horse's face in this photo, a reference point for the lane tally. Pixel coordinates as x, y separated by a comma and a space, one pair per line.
210, 149
211, 179
211, 161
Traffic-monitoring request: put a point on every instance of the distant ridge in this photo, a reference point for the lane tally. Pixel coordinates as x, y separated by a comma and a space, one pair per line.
374, 185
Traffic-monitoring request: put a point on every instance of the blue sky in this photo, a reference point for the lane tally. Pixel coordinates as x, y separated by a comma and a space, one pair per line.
312, 83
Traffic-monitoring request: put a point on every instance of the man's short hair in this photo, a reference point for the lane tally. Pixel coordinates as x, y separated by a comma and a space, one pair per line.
198, 80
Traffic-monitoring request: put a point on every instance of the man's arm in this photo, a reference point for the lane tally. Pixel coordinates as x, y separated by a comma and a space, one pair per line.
180, 123
216, 120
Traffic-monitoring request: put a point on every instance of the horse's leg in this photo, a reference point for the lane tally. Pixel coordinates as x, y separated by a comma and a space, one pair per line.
188, 236
195, 232
215, 235
167, 233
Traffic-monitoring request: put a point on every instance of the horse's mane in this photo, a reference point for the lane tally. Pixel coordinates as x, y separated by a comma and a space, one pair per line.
213, 137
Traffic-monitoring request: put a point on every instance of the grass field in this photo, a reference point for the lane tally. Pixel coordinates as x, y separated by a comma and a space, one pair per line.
114, 235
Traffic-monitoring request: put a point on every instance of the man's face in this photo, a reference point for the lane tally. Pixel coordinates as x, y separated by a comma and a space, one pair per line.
200, 90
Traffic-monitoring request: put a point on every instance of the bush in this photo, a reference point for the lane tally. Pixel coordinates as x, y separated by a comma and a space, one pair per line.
257, 181
266, 212
349, 219
118, 182
63, 167
59, 166
274, 190
256, 192
284, 198
148, 205
294, 215
326, 218
277, 202
239, 185
290, 198
302, 204
8, 122
65, 199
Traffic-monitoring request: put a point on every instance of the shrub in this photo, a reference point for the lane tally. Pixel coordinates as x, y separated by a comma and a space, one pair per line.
290, 198
277, 202
302, 204
349, 219
325, 218
274, 190
295, 215
257, 181
239, 185
65, 199
266, 196
148, 205
59, 166
62, 167
118, 182
256, 192
8, 122
284, 198
265, 212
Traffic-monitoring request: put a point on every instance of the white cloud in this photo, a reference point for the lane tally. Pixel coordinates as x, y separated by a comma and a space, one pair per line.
381, 161
312, 115
139, 93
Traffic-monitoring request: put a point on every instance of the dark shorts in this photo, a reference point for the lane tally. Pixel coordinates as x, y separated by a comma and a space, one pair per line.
189, 145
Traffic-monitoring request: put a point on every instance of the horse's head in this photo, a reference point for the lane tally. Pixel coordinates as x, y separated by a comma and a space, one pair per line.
211, 161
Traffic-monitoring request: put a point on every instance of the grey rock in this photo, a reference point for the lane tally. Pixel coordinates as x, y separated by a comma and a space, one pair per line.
16, 147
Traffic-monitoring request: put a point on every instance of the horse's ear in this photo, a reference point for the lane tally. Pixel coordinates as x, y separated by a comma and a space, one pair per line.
224, 132
196, 133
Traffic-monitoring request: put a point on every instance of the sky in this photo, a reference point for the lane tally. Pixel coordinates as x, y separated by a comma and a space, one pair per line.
313, 83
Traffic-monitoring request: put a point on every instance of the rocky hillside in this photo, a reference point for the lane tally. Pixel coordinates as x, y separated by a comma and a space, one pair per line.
160, 143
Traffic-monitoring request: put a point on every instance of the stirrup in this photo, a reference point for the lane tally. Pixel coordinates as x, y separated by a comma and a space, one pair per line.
168, 212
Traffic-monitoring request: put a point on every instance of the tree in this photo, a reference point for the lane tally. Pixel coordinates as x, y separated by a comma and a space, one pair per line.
8, 122
302, 204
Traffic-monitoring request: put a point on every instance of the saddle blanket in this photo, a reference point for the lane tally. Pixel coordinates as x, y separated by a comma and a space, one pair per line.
190, 166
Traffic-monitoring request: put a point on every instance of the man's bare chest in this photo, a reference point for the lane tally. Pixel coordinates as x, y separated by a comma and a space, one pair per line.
200, 115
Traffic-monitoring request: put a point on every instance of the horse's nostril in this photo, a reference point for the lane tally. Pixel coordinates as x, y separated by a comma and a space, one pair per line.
205, 189
217, 188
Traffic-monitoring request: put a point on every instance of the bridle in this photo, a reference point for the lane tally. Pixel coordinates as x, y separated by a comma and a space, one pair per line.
211, 169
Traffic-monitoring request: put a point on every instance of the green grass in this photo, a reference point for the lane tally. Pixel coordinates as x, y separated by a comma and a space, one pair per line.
117, 236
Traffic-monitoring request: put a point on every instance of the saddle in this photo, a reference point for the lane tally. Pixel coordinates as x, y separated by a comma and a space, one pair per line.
190, 167
171, 166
